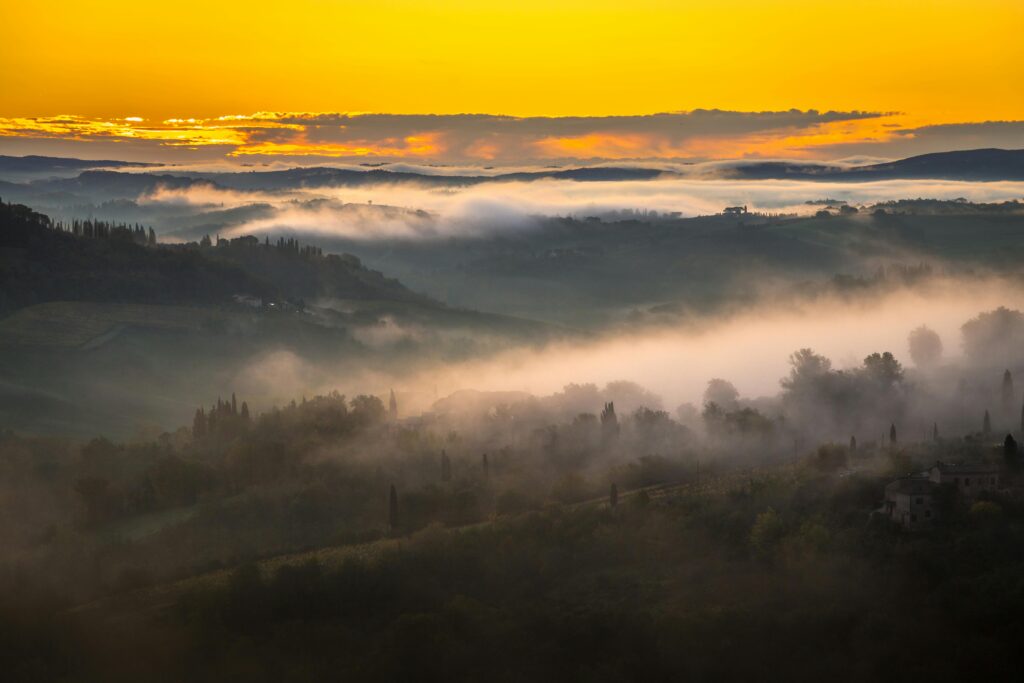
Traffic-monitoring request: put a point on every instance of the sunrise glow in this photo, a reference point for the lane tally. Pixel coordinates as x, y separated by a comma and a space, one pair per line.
220, 63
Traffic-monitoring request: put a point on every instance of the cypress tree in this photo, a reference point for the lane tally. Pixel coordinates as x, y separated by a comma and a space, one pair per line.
609, 422
1011, 454
935, 431
199, 424
986, 424
393, 509
487, 467
613, 496
892, 434
853, 443
1007, 392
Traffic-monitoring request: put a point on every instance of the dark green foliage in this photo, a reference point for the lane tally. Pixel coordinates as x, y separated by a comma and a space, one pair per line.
742, 422
780, 564
42, 261
1011, 454
830, 457
1007, 393
609, 423
393, 519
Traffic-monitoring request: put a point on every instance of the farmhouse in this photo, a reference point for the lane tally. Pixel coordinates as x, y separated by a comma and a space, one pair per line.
910, 502
970, 479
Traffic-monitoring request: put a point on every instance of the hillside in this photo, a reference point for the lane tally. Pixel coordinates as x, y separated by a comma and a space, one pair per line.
966, 165
591, 272
101, 328
974, 164
35, 167
44, 261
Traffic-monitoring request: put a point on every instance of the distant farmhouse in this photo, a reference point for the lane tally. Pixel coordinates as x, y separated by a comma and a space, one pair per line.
734, 210
911, 501
970, 480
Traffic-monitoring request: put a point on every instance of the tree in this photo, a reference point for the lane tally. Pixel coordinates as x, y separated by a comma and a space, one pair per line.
367, 410
986, 424
935, 432
722, 393
1011, 454
486, 467
613, 496
853, 443
393, 509
199, 424
994, 337
883, 369
892, 434
245, 411
806, 368
1007, 393
393, 406
830, 457
925, 347
609, 423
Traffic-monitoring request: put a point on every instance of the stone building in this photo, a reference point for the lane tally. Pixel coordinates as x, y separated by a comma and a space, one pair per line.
910, 502
970, 479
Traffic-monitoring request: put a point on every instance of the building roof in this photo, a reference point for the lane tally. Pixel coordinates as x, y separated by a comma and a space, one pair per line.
910, 486
966, 468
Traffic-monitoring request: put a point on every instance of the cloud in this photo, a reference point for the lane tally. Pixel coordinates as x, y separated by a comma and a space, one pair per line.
478, 138
911, 141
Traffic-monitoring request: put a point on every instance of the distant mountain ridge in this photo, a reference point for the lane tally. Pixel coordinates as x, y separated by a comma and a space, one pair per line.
322, 176
98, 181
974, 164
34, 166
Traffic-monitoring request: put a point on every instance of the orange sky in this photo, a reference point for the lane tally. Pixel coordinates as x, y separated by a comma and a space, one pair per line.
935, 61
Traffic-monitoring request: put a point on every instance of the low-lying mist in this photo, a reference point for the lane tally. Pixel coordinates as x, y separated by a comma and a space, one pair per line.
749, 348
490, 208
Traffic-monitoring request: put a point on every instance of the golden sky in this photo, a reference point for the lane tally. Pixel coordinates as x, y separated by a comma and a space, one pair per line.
934, 61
